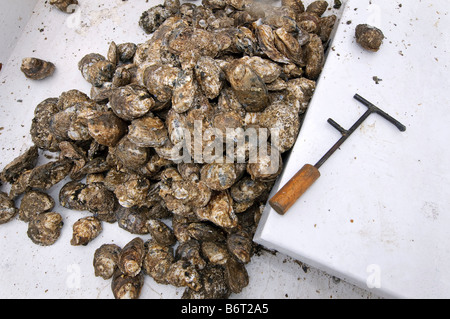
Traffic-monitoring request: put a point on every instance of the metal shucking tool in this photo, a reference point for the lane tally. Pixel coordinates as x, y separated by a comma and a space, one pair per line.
304, 178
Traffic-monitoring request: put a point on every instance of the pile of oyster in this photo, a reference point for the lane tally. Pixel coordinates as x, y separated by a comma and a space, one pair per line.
128, 148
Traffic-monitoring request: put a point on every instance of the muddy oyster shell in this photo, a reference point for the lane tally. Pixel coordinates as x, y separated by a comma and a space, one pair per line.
24, 162
219, 211
160, 80
37, 69
131, 102
249, 88
148, 131
96, 69
267, 166
314, 58
105, 261
125, 286
7, 208
215, 253
190, 251
131, 257
184, 91
214, 285
34, 203
44, 229
106, 128
85, 230
157, 261
182, 274
67, 6
318, 7
40, 125
280, 119
161, 233
369, 37
129, 154
152, 18
210, 76
219, 176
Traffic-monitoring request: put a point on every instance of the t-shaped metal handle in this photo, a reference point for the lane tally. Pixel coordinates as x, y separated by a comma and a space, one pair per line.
304, 178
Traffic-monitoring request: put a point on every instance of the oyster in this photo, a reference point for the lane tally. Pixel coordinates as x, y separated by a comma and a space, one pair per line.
85, 230
236, 275
126, 51
133, 219
131, 257
240, 245
129, 154
24, 162
7, 208
209, 76
37, 69
296, 5
184, 91
266, 40
66, 6
247, 189
131, 102
369, 37
249, 88
96, 69
215, 253
190, 250
106, 128
47, 175
44, 229
34, 203
148, 131
152, 18
40, 132
157, 261
267, 165
161, 233
125, 286
280, 119
133, 192
318, 7
214, 285
105, 261
160, 80
182, 274
314, 58
219, 211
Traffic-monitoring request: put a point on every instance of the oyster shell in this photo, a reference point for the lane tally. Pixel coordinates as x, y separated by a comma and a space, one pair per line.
44, 229
7, 208
157, 261
131, 257
66, 6
148, 131
131, 102
105, 260
85, 230
37, 69
34, 203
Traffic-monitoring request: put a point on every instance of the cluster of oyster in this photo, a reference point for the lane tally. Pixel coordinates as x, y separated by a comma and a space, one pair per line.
223, 64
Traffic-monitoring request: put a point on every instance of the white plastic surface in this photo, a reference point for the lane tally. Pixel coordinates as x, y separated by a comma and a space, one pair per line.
65, 271
379, 214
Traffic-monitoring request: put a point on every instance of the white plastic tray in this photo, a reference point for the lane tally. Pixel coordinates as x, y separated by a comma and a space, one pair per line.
61, 270
378, 215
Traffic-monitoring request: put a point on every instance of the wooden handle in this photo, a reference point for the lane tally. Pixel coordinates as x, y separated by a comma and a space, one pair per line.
288, 195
